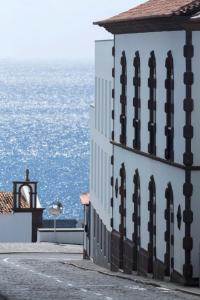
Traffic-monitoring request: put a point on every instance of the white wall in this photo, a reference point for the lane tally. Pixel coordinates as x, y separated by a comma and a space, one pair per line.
163, 174
16, 228
103, 86
101, 126
196, 98
64, 236
195, 202
161, 43
195, 206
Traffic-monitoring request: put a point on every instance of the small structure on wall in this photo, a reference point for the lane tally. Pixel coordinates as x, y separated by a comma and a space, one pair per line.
145, 159
20, 212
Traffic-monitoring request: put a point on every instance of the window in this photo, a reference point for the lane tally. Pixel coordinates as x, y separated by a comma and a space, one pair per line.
169, 233
169, 107
101, 234
97, 218
122, 211
136, 218
123, 201
152, 104
105, 241
136, 101
94, 223
123, 99
152, 224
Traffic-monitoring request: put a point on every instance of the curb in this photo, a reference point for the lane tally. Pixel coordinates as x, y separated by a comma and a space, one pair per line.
140, 281
39, 252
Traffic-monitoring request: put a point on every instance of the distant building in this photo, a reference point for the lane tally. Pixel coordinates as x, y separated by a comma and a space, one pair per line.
145, 142
20, 212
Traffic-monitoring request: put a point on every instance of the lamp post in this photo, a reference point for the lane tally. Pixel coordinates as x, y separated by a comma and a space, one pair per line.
55, 209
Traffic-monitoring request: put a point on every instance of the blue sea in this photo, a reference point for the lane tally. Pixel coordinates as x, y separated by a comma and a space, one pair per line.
44, 126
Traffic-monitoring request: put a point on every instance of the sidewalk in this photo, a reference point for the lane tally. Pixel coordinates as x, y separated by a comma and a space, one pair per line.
90, 266
8, 248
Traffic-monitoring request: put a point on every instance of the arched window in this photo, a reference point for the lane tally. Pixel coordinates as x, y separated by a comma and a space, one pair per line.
123, 99
169, 107
152, 224
136, 219
25, 190
152, 104
169, 233
136, 101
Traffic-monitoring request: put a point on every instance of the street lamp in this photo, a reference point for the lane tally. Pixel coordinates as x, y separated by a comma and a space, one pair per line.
55, 209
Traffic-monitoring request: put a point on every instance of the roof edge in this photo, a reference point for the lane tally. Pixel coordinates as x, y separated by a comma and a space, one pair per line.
153, 24
109, 21
185, 10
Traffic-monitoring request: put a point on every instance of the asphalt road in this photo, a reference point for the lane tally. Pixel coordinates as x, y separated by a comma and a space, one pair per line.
45, 276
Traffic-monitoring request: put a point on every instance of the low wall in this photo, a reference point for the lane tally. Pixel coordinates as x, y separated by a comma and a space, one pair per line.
61, 235
16, 228
60, 223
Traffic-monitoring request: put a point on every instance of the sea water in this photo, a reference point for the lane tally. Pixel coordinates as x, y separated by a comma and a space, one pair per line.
44, 126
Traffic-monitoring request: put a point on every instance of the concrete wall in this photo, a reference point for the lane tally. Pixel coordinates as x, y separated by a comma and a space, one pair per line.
63, 236
16, 228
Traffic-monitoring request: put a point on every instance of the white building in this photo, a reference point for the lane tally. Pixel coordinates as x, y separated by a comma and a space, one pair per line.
146, 142
101, 153
20, 212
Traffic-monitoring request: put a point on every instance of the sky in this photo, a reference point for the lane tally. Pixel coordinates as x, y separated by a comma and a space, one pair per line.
54, 29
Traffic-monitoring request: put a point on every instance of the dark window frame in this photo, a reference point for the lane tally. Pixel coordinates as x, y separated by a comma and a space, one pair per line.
169, 107
94, 223
152, 224
136, 101
122, 211
98, 221
136, 219
152, 83
123, 99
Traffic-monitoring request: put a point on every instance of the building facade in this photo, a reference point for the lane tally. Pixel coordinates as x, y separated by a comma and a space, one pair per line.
145, 146
101, 154
20, 212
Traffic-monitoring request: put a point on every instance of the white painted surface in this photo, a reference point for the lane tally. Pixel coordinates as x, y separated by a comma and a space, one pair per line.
101, 124
195, 206
161, 43
62, 236
16, 228
163, 174
25, 192
196, 98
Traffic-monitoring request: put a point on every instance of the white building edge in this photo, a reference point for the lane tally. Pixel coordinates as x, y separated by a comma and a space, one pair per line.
145, 143
101, 153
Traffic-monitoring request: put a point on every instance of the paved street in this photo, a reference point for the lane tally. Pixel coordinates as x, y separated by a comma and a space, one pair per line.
39, 248
53, 276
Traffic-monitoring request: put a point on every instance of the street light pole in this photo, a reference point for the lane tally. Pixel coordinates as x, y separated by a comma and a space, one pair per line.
55, 209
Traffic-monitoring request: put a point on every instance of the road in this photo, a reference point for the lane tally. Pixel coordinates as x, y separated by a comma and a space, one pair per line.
46, 276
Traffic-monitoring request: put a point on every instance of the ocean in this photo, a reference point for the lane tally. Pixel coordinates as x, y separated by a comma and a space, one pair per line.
44, 126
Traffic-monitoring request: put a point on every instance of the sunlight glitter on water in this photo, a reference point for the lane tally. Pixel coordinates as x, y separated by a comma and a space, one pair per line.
44, 125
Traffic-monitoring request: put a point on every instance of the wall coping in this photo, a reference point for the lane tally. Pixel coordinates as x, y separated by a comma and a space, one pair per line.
61, 229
